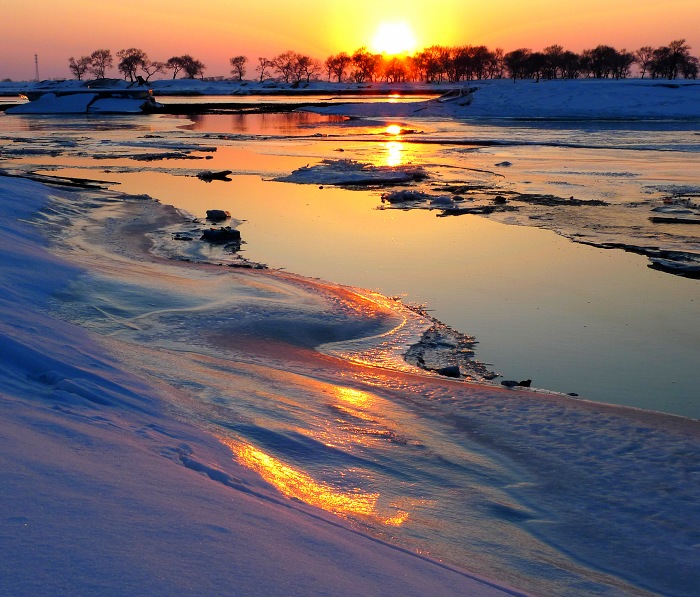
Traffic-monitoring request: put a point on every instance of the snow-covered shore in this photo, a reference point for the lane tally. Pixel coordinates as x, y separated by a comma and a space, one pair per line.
105, 492
523, 99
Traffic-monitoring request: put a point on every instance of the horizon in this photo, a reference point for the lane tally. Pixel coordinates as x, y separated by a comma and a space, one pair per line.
165, 29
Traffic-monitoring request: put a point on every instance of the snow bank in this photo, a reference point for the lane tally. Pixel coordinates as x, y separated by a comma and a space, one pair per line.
553, 100
558, 99
49, 103
104, 492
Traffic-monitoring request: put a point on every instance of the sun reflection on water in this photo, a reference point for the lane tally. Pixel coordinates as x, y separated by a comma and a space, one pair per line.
394, 153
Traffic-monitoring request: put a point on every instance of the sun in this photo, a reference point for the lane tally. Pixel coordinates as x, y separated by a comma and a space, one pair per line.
394, 38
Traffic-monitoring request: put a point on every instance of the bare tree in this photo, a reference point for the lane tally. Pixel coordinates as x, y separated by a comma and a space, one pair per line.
644, 57
79, 67
285, 64
130, 61
516, 62
691, 68
395, 70
554, 64
337, 65
100, 61
191, 67
238, 64
306, 68
366, 65
151, 68
263, 65
175, 64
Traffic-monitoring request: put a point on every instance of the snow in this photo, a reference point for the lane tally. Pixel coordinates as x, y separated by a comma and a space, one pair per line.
503, 98
104, 491
559, 99
49, 103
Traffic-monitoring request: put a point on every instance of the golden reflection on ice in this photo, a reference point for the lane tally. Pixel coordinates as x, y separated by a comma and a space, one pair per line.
294, 483
357, 398
394, 156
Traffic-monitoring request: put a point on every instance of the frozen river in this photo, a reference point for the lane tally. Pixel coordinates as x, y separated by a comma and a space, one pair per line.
573, 318
548, 493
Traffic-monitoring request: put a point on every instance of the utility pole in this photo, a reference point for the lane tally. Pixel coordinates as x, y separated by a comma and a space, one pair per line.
36, 67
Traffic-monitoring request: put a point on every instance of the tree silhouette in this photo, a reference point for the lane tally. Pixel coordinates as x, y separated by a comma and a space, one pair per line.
238, 64
100, 61
130, 61
191, 67
365, 65
151, 68
263, 65
337, 65
175, 64
79, 67
644, 57
516, 62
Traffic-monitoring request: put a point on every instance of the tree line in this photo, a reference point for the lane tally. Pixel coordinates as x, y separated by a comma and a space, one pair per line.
432, 65
134, 63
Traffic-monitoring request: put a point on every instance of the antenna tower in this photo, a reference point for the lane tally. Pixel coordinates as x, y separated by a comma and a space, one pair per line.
36, 67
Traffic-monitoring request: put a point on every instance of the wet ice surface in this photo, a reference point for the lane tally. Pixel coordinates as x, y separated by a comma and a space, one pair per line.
630, 343
551, 495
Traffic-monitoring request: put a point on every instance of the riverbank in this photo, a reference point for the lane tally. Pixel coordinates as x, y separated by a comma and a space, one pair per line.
171, 355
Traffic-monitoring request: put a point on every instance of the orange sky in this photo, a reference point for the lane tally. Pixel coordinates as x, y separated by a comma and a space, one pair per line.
214, 30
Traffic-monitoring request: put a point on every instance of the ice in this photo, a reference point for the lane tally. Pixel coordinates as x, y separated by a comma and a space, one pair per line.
352, 173
105, 491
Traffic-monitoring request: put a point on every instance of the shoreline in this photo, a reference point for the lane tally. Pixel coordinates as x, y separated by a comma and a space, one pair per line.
209, 460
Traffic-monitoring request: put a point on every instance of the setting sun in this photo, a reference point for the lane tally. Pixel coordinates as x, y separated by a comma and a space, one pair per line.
394, 38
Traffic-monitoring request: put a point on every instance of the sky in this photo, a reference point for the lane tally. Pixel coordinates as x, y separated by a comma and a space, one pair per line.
214, 30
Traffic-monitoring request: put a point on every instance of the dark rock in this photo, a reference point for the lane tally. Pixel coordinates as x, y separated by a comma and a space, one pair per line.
208, 176
221, 235
525, 383
217, 215
500, 200
451, 371
509, 383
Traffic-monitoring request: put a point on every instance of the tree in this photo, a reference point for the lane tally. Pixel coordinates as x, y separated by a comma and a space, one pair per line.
306, 68
535, 65
263, 65
100, 61
554, 63
192, 67
365, 65
284, 65
679, 56
175, 64
691, 68
395, 70
238, 64
151, 68
130, 61
516, 62
644, 57
79, 67
337, 65
571, 64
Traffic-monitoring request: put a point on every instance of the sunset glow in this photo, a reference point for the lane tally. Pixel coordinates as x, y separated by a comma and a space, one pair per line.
394, 38
216, 30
